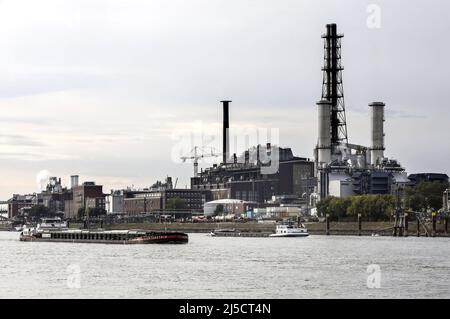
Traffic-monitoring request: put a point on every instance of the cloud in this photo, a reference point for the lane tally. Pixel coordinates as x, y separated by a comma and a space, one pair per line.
19, 140
405, 114
100, 86
28, 156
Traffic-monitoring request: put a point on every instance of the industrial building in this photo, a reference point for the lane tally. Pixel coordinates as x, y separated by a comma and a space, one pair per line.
345, 169
428, 177
60, 200
85, 196
233, 207
159, 198
244, 177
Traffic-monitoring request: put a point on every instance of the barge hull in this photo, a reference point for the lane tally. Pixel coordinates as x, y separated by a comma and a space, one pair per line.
62, 237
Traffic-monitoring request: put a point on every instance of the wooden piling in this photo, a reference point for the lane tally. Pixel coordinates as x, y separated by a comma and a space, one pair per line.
359, 225
395, 227
400, 226
327, 222
433, 218
418, 227
405, 225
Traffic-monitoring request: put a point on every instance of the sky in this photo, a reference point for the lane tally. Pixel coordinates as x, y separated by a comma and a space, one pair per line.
108, 89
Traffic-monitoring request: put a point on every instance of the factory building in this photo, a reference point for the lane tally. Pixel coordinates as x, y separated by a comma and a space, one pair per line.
244, 177
17, 203
161, 196
233, 207
428, 177
114, 202
85, 196
147, 201
345, 169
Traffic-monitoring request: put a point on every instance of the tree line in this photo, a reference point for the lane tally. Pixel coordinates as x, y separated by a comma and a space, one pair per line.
426, 196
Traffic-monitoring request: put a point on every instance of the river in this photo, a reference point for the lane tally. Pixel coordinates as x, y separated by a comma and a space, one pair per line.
207, 267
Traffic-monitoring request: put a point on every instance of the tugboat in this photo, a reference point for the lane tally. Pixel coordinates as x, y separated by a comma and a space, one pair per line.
289, 230
54, 231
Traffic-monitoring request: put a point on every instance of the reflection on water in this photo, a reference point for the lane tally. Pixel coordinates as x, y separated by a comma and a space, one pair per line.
314, 267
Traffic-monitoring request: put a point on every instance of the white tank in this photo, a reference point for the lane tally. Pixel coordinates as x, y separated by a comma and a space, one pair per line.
377, 126
324, 141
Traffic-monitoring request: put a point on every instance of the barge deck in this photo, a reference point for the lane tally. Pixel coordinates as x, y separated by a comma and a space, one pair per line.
106, 237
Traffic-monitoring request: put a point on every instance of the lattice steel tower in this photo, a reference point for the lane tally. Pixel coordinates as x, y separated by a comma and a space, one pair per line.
332, 87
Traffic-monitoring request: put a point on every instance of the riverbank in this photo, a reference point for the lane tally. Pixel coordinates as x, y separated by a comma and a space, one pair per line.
336, 228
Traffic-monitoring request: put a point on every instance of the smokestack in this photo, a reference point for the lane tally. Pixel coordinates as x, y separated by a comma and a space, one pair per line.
73, 181
226, 126
377, 123
247, 157
324, 141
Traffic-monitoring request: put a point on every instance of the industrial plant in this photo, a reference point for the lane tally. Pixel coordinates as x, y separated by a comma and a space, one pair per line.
339, 168
345, 169
246, 183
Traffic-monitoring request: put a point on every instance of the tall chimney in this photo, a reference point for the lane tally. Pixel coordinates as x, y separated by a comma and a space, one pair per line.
377, 123
226, 136
324, 141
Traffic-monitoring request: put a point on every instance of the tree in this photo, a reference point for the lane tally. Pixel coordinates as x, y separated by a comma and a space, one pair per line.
96, 211
219, 209
335, 207
371, 207
426, 195
91, 211
175, 203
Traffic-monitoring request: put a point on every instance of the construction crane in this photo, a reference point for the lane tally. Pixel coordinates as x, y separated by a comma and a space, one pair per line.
197, 153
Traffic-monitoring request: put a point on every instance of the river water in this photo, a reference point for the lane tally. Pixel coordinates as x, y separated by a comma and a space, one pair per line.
207, 267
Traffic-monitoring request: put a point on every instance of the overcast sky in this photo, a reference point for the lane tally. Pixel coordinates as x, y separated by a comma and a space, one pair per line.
98, 88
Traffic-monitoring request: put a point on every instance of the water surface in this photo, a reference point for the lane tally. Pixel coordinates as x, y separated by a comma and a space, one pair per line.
313, 267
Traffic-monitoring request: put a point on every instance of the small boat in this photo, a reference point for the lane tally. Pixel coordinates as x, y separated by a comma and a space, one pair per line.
289, 230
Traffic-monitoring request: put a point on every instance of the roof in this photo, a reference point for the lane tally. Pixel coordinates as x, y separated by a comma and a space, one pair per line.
227, 201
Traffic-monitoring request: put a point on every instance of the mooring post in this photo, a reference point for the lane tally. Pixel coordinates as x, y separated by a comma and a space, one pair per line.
359, 224
433, 218
446, 225
405, 225
418, 227
327, 221
395, 226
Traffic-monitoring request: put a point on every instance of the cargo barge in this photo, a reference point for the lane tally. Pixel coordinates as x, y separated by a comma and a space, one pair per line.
105, 237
